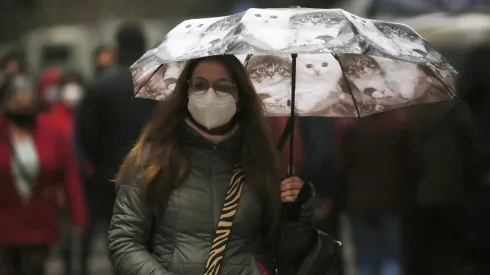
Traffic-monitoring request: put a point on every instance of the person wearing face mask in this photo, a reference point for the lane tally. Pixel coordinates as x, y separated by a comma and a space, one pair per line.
69, 92
205, 163
47, 88
36, 160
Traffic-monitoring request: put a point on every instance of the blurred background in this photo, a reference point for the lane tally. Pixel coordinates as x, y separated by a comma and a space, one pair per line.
66, 33
44, 38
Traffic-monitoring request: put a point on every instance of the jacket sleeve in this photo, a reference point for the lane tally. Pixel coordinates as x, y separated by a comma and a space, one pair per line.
129, 233
297, 235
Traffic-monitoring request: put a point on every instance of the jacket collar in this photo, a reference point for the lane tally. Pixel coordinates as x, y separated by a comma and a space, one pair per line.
231, 145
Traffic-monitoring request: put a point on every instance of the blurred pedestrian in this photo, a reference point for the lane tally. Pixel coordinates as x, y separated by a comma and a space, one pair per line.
104, 59
109, 122
12, 64
475, 90
47, 88
69, 92
36, 161
379, 165
454, 169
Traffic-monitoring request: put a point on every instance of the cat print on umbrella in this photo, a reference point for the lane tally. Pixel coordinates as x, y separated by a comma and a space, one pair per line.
200, 36
162, 82
393, 39
379, 83
319, 84
325, 87
320, 28
272, 30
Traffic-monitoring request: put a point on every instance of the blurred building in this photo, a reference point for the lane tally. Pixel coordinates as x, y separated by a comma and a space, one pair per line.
64, 33
17, 16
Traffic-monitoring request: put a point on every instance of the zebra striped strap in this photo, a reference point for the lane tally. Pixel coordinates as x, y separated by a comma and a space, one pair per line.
225, 223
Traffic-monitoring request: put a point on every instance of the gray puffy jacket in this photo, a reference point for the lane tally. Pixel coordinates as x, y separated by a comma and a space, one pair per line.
182, 237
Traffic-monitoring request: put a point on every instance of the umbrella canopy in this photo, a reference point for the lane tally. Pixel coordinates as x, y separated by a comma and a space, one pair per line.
341, 64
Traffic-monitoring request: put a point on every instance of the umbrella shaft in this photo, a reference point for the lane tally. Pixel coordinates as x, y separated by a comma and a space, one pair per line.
292, 117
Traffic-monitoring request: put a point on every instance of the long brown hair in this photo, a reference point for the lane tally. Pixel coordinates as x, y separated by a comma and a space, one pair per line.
167, 165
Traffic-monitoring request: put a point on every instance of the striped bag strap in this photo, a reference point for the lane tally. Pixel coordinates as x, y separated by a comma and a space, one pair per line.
225, 223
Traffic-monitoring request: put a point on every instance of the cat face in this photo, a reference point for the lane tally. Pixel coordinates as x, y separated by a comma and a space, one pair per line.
262, 17
397, 31
315, 19
318, 67
269, 69
192, 28
360, 66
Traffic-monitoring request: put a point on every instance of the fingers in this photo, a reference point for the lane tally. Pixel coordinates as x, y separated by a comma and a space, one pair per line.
291, 193
293, 183
291, 179
290, 189
289, 199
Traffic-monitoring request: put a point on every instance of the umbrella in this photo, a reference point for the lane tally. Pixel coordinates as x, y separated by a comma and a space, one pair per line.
308, 62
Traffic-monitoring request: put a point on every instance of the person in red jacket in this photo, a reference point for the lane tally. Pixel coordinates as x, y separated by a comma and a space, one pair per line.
36, 160
68, 92
47, 87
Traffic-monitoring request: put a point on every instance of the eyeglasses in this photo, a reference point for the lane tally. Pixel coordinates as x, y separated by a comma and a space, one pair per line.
201, 85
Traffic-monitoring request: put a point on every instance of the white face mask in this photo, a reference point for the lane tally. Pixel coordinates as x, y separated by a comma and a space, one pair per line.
212, 109
71, 94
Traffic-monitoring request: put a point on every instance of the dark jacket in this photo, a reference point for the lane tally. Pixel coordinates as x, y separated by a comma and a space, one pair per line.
183, 235
379, 162
108, 123
453, 151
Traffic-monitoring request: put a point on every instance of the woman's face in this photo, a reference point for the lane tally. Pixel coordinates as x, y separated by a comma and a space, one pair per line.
211, 74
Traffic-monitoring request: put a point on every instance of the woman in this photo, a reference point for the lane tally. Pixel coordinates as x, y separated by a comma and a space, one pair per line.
35, 161
173, 184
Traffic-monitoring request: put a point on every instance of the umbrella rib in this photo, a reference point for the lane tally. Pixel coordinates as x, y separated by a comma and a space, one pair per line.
443, 84
357, 35
245, 64
144, 84
350, 88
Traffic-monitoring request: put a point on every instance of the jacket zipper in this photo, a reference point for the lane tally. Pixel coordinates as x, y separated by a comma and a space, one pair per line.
211, 157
